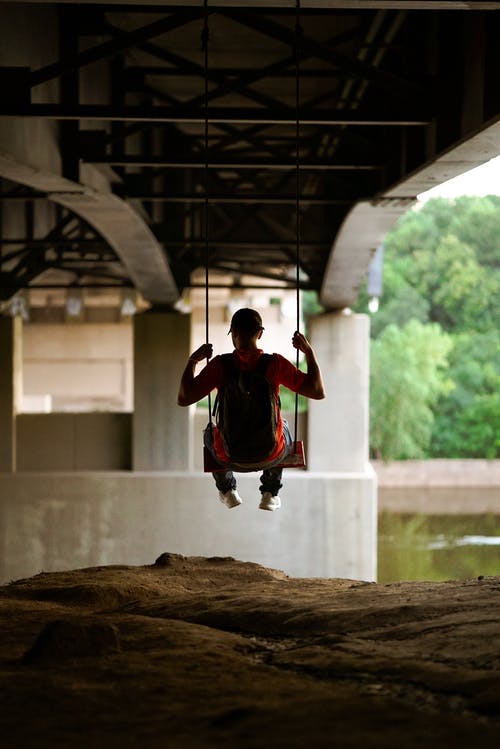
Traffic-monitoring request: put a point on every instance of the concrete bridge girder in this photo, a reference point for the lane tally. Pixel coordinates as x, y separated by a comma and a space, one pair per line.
367, 223
113, 219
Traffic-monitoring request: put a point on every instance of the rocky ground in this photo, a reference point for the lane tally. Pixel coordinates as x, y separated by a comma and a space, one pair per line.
195, 652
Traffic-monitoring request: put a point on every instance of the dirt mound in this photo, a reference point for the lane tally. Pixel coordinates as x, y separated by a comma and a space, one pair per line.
62, 640
221, 653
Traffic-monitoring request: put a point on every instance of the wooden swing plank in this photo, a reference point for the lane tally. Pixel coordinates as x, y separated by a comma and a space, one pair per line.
295, 459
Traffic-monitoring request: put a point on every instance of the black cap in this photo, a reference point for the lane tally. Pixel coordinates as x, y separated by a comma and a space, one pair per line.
247, 320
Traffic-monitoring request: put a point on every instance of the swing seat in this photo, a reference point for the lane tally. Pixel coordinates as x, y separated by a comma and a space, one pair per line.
295, 459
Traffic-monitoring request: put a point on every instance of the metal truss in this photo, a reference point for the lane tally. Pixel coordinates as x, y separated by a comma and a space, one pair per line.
382, 90
69, 254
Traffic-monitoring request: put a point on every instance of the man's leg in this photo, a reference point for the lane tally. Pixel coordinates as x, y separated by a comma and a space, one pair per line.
224, 480
270, 484
271, 477
270, 481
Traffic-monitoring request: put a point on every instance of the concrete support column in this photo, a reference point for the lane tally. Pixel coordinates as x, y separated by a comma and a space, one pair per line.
338, 436
11, 388
161, 429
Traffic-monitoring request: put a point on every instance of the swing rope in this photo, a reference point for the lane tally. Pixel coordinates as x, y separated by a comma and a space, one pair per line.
205, 35
297, 458
298, 32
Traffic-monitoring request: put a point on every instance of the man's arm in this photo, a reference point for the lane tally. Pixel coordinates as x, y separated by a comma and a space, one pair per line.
188, 391
312, 387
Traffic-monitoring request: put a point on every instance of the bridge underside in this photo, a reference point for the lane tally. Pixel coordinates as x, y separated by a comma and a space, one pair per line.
103, 131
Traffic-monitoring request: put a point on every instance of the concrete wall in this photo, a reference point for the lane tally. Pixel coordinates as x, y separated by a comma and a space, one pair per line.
88, 366
278, 316
338, 425
64, 521
161, 430
78, 366
57, 520
74, 442
96, 441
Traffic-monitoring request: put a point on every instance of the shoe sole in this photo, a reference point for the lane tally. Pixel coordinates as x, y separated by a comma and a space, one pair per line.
230, 505
271, 508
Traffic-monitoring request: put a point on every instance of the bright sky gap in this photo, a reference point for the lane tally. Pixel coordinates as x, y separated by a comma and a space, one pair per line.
481, 181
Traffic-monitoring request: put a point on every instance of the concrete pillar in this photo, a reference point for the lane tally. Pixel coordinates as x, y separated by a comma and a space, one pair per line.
11, 387
338, 436
161, 429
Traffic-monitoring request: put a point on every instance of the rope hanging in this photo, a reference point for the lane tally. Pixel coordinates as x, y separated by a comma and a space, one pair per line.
298, 32
205, 35
297, 458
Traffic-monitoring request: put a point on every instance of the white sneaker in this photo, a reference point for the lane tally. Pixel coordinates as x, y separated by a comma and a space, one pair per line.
268, 502
230, 498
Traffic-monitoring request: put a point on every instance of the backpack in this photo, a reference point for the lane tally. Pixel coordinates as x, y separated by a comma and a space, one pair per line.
247, 411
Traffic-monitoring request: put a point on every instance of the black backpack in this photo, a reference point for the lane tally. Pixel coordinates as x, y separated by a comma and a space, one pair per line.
247, 411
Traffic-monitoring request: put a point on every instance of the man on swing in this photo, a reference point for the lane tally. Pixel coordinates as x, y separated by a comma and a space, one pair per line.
246, 330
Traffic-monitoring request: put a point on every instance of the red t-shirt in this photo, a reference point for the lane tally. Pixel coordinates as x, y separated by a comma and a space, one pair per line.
279, 372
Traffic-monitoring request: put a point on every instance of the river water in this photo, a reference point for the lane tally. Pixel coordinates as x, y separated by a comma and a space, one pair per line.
436, 547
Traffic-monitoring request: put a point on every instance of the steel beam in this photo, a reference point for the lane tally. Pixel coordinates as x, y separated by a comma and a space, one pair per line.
395, 86
237, 199
113, 47
235, 115
279, 6
192, 162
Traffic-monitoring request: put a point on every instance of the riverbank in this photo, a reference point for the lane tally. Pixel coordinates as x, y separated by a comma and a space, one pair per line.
438, 473
439, 487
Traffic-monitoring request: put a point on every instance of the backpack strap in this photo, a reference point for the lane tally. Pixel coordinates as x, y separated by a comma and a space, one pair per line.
228, 364
263, 363
229, 368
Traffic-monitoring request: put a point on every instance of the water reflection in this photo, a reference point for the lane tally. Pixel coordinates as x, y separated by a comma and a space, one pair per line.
437, 547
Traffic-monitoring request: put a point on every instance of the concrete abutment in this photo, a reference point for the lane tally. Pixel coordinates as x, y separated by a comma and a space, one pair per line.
326, 527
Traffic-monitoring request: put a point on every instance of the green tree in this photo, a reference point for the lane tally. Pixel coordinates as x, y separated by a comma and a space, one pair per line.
442, 265
402, 302
467, 418
463, 295
406, 380
476, 222
419, 229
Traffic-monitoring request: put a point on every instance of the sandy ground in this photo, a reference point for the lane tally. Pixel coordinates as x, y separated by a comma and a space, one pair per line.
195, 652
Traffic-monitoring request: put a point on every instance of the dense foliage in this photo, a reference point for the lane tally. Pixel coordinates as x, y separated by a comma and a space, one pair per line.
435, 376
